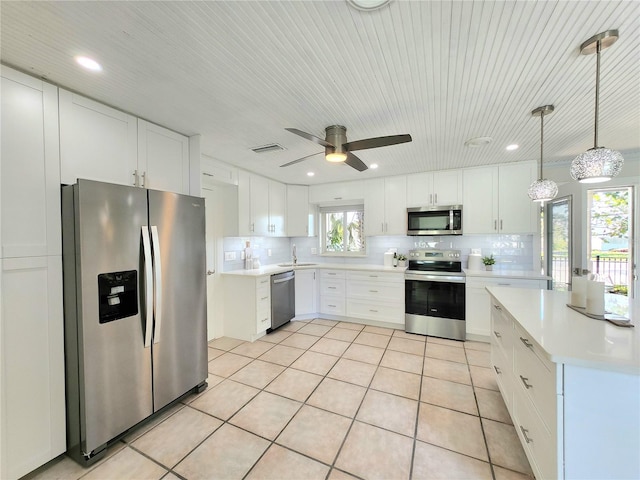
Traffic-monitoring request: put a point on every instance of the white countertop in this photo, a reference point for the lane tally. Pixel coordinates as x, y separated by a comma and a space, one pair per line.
275, 268
523, 274
568, 336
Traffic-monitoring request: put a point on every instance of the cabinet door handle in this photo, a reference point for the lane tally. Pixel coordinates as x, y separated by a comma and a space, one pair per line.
436, 197
497, 307
495, 225
374, 311
264, 298
145, 180
524, 381
498, 371
497, 334
135, 178
524, 434
500, 224
333, 306
331, 288
526, 342
504, 284
373, 291
430, 198
373, 276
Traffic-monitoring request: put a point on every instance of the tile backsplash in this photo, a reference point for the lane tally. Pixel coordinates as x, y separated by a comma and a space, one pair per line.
512, 252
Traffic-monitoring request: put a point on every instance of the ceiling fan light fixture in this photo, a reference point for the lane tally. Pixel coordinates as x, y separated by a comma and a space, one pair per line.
367, 5
336, 157
543, 189
598, 164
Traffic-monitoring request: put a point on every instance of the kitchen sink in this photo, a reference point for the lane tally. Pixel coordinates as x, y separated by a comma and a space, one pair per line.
299, 264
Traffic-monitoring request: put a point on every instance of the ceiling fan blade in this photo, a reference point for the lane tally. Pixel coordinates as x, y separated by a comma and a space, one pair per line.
300, 159
377, 142
308, 136
355, 162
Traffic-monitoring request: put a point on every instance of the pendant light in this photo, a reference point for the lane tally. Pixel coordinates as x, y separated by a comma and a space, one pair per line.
598, 164
542, 189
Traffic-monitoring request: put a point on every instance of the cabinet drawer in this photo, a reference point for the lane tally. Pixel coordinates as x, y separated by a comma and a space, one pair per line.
501, 328
263, 319
332, 274
539, 445
481, 282
376, 291
536, 377
375, 311
332, 287
376, 277
332, 305
503, 369
263, 282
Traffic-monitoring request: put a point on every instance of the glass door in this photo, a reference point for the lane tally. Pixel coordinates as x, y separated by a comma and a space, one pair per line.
610, 253
558, 243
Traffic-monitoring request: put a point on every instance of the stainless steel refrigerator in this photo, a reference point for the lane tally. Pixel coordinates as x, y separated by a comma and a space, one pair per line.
135, 307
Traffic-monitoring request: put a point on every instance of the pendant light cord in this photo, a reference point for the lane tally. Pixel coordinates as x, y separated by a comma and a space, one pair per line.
541, 140
595, 135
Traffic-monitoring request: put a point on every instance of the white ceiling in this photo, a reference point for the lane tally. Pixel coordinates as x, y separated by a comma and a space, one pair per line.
239, 72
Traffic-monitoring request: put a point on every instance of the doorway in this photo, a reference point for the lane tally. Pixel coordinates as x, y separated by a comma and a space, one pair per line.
558, 243
610, 254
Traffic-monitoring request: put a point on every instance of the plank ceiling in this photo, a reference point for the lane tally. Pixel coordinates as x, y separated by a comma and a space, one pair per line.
239, 72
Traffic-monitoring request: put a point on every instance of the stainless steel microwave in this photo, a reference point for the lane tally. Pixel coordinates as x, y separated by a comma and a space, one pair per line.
436, 220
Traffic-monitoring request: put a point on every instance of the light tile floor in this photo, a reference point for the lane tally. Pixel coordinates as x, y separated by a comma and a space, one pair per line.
327, 400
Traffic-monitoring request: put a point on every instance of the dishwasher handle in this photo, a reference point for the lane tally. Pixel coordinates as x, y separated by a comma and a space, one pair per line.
281, 280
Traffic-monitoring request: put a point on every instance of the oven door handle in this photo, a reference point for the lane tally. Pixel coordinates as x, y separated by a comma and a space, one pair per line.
434, 278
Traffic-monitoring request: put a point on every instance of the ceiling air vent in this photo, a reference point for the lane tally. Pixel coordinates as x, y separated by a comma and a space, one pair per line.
271, 147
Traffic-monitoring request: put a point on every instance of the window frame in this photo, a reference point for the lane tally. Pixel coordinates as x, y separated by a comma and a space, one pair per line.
344, 209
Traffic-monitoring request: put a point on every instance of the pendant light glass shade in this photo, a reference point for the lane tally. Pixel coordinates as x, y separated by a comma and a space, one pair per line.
542, 190
598, 164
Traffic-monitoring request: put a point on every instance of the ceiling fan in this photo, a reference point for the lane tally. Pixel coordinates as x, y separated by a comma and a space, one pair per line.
337, 149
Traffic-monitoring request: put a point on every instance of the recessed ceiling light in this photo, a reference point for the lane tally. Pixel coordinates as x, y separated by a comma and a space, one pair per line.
88, 63
478, 141
373, 166
310, 174
513, 146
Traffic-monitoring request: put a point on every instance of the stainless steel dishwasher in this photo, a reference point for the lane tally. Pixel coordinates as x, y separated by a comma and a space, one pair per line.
283, 299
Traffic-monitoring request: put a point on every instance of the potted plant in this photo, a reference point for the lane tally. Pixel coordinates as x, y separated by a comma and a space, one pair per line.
402, 260
488, 262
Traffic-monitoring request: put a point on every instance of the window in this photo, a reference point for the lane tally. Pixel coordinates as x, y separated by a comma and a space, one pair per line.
342, 230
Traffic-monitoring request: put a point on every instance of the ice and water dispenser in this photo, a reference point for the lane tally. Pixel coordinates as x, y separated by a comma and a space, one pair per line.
118, 292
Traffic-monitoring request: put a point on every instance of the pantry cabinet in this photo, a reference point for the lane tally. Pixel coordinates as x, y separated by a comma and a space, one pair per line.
32, 409
385, 206
429, 189
261, 206
101, 143
495, 199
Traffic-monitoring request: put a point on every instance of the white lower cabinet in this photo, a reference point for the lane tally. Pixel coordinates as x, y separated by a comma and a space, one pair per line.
306, 304
477, 311
332, 292
247, 313
376, 296
32, 354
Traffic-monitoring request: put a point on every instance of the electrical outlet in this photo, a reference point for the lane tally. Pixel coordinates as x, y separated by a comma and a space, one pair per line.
241, 254
228, 256
268, 252
314, 251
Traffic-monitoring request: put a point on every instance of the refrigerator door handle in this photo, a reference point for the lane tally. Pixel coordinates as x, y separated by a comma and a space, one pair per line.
148, 285
157, 283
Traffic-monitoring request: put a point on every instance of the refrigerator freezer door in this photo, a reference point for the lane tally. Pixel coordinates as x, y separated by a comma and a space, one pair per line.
180, 348
114, 365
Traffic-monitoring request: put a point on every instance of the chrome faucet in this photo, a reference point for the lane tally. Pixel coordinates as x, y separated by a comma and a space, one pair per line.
293, 254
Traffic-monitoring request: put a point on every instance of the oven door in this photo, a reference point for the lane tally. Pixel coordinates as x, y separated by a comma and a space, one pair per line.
435, 306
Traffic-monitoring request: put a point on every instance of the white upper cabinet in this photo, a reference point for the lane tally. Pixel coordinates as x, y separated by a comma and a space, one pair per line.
261, 206
96, 142
495, 199
300, 217
30, 168
101, 143
337, 193
434, 188
163, 158
385, 207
